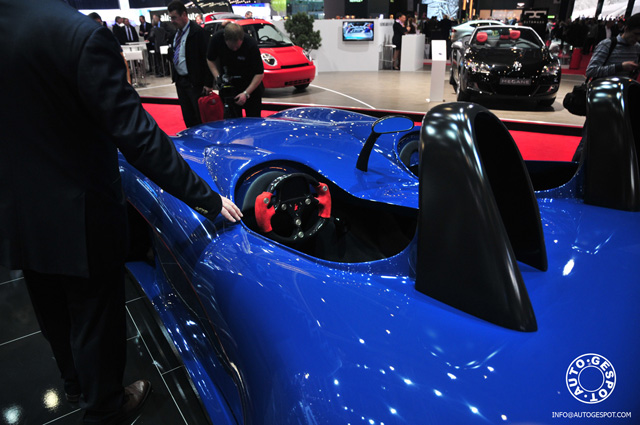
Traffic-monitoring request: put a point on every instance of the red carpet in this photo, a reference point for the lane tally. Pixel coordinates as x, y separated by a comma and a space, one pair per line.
168, 117
533, 146
545, 147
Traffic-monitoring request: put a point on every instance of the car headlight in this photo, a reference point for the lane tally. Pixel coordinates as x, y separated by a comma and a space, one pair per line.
306, 55
551, 70
476, 67
269, 59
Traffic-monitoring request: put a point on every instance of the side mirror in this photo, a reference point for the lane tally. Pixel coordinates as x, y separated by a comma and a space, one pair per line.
392, 124
385, 125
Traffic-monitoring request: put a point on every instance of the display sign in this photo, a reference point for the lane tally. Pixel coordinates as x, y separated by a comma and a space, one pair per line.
212, 6
146, 4
440, 8
258, 10
614, 8
584, 8
536, 19
439, 50
357, 31
94, 4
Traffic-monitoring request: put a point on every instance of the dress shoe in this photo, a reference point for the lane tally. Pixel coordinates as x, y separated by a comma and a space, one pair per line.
134, 397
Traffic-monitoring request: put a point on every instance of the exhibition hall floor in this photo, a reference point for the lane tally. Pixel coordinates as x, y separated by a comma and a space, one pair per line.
31, 390
391, 90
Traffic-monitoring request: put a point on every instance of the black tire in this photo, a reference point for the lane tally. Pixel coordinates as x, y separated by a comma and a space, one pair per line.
462, 96
301, 86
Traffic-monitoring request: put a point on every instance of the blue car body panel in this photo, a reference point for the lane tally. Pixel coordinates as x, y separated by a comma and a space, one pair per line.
271, 335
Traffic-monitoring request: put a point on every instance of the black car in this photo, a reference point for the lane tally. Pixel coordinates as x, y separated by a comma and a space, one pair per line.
505, 62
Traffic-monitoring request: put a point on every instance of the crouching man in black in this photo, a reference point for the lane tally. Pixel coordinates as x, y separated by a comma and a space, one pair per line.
235, 62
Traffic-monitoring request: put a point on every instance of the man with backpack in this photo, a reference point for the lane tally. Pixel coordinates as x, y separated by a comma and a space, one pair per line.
616, 56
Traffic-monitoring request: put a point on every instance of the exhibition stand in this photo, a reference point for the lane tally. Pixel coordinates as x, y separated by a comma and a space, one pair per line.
337, 54
412, 53
438, 67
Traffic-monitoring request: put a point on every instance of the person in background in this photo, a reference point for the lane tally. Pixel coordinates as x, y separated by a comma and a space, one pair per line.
621, 60
435, 29
445, 31
200, 20
411, 26
236, 54
98, 19
398, 31
591, 37
63, 213
130, 32
248, 14
118, 30
189, 62
158, 38
426, 29
145, 28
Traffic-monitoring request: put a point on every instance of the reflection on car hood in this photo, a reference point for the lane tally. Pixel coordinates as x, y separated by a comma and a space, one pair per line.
322, 139
289, 55
508, 56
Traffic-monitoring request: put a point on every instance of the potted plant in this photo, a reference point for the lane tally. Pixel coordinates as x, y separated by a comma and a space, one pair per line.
300, 29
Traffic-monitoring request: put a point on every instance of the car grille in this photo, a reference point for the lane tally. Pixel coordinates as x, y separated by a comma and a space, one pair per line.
492, 85
297, 82
512, 90
294, 66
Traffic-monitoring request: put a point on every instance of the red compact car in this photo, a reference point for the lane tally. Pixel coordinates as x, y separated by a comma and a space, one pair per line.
285, 64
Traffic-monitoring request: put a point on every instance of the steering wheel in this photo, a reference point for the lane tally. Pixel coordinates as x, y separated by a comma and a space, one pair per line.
289, 211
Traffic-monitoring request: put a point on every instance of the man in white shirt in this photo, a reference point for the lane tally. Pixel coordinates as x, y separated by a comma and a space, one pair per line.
188, 55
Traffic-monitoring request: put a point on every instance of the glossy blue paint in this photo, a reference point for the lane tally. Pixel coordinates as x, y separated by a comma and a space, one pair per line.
273, 336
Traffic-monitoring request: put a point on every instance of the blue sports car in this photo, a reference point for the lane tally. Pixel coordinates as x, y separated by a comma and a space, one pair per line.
385, 274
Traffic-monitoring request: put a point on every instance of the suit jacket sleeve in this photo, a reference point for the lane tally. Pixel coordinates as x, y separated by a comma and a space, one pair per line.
117, 108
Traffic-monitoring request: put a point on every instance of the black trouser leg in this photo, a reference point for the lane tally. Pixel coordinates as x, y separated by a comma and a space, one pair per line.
159, 65
253, 107
188, 96
49, 301
85, 323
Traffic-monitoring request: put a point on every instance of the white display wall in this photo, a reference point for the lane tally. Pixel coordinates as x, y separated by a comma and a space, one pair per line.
337, 55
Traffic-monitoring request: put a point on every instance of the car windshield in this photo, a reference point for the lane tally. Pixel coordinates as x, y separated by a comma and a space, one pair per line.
267, 35
506, 38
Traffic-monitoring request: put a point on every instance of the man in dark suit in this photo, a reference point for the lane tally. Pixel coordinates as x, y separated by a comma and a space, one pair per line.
118, 30
62, 208
188, 56
158, 38
145, 28
130, 32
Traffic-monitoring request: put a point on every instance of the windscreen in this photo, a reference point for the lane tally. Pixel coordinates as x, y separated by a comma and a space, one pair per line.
267, 35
